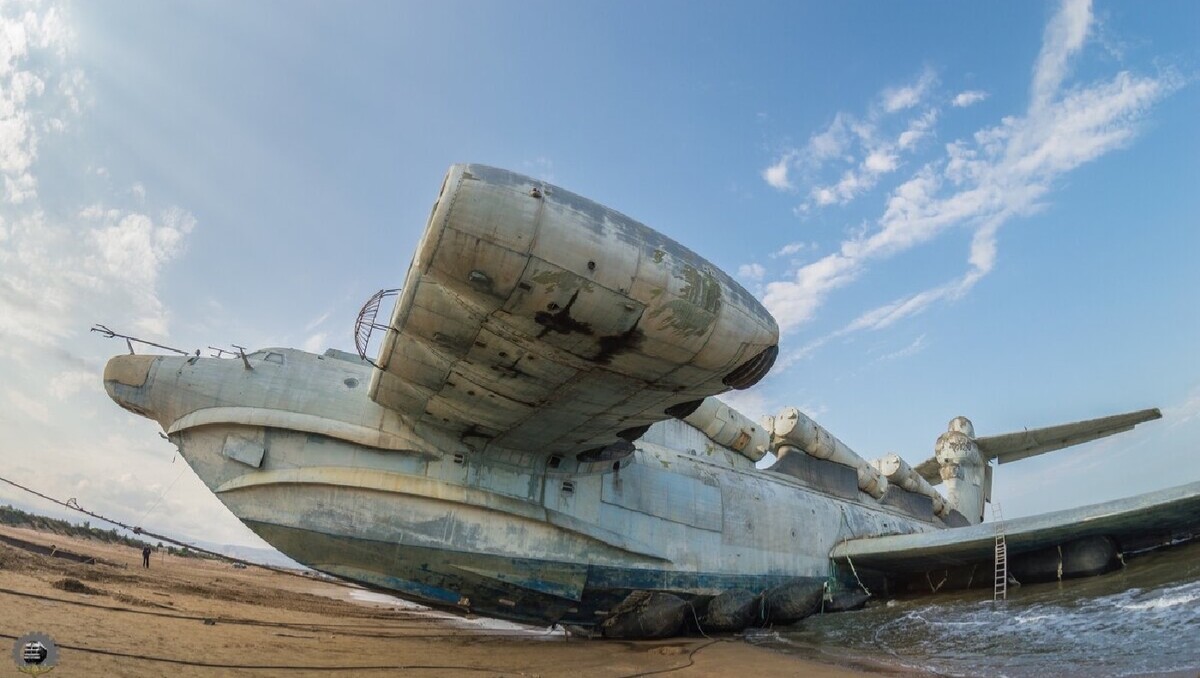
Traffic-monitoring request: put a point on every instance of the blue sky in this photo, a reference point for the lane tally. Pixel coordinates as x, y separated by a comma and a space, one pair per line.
978, 209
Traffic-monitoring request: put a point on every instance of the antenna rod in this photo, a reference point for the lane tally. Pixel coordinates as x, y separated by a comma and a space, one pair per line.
129, 340
242, 353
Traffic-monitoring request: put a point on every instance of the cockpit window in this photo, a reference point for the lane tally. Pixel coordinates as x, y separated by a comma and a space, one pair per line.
273, 357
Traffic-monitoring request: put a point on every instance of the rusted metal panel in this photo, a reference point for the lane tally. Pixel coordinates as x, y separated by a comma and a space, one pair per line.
245, 449
672, 496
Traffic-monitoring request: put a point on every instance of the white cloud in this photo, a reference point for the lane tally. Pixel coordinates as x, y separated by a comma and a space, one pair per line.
917, 129
1003, 172
968, 98
1063, 38
828, 144
751, 402
900, 98
777, 175
880, 161
66, 384
1184, 412
751, 271
791, 249
316, 322
34, 409
913, 348
24, 38
63, 265
863, 143
316, 342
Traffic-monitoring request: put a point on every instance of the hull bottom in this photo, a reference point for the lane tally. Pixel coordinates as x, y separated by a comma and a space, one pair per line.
517, 589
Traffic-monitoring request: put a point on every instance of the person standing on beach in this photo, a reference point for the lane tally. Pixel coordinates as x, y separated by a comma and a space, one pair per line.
146, 556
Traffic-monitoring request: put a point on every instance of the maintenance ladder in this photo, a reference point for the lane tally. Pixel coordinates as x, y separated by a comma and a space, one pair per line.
1000, 590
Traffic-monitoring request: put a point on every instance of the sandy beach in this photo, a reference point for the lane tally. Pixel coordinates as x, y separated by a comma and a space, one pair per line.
191, 617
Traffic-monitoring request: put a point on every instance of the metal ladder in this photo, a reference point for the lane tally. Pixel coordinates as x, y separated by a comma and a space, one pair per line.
1000, 590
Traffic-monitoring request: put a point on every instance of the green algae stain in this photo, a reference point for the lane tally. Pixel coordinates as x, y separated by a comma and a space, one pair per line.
696, 309
552, 280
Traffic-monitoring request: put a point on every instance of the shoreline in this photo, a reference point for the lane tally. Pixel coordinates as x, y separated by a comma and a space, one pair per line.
203, 618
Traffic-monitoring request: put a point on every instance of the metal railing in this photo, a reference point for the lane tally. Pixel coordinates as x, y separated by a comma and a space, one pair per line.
366, 323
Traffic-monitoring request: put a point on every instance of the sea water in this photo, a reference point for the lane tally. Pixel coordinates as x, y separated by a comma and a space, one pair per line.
1143, 619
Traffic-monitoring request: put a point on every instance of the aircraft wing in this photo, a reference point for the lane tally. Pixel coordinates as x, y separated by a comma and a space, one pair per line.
535, 319
1029, 443
1139, 521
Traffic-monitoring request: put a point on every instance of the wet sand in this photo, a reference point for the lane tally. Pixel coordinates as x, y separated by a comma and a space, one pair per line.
190, 617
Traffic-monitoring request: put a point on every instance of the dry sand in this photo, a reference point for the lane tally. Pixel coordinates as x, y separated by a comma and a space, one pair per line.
301, 626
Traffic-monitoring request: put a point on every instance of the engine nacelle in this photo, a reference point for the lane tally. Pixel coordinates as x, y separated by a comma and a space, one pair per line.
792, 428
899, 473
727, 427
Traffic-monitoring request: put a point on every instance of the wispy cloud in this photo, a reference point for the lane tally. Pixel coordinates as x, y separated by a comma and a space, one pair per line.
316, 322
753, 272
791, 249
1002, 172
866, 147
900, 98
30, 407
1184, 412
968, 98
913, 348
67, 261
105, 260
316, 343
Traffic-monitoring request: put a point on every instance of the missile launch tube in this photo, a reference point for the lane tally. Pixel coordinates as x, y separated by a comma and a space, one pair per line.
792, 427
727, 427
898, 472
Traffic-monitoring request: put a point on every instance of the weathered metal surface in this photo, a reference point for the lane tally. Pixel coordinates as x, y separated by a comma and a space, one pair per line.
668, 495
1160, 514
962, 468
246, 450
681, 514
729, 428
819, 474
792, 429
912, 503
898, 473
513, 454
1011, 447
540, 320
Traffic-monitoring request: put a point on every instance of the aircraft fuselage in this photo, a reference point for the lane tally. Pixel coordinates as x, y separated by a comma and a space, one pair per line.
296, 450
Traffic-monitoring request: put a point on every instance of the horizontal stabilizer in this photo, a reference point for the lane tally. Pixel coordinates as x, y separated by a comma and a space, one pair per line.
1030, 443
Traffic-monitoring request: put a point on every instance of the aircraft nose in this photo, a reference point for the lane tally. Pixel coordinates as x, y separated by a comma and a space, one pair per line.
126, 379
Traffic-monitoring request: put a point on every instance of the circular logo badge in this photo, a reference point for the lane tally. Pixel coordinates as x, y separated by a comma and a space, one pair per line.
35, 654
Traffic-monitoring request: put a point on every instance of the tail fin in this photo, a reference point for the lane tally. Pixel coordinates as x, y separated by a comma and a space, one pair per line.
1010, 447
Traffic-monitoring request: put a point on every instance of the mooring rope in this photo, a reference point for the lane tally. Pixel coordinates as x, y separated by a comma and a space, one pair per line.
164, 494
280, 667
73, 505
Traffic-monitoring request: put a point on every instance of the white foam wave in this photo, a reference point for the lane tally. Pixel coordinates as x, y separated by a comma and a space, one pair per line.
1162, 603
